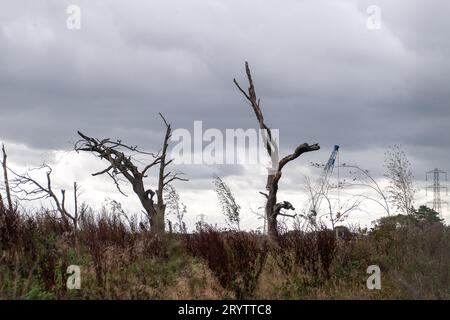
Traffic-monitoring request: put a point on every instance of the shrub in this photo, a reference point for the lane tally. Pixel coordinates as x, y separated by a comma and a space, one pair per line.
235, 258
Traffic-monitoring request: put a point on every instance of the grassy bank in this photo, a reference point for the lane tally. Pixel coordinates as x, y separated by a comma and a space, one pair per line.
119, 259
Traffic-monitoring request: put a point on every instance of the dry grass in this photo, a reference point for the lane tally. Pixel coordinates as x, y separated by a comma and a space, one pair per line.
118, 260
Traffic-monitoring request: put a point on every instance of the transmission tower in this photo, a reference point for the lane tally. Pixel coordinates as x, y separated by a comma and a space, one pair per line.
435, 175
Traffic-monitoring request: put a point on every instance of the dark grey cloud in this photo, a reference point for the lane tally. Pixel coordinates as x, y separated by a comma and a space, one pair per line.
321, 74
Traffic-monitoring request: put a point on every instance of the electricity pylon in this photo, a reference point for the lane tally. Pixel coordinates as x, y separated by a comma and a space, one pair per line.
437, 187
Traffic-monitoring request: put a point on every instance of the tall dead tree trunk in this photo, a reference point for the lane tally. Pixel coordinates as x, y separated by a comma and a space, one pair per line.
159, 225
272, 208
5, 175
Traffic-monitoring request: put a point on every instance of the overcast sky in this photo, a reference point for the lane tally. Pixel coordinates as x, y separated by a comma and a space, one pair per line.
322, 76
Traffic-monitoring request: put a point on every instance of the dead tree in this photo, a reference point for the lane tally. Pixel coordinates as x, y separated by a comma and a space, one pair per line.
338, 211
361, 178
273, 176
5, 175
123, 164
30, 189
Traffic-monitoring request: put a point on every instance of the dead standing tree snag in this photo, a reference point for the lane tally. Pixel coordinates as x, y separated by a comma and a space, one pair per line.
31, 189
5, 176
272, 208
26, 188
122, 165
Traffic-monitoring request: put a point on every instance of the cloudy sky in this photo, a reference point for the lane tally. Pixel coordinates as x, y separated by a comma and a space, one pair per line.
322, 76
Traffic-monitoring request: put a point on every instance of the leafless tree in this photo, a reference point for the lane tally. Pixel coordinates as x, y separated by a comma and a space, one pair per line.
230, 209
361, 178
335, 216
401, 189
28, 188
274, 175
339, 216
260, 215
123, 164
309, 214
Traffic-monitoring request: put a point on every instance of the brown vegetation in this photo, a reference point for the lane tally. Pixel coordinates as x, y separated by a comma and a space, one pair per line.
119, 260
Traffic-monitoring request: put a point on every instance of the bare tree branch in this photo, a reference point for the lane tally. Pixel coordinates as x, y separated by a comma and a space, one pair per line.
30, 189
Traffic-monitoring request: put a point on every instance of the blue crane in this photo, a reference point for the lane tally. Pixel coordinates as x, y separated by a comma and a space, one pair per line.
323, 183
